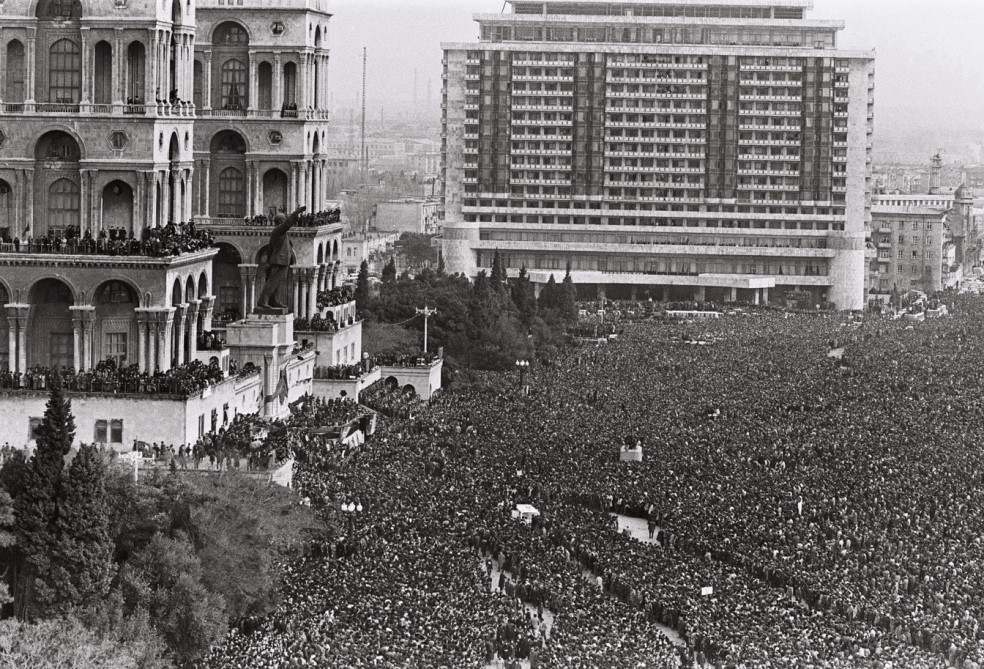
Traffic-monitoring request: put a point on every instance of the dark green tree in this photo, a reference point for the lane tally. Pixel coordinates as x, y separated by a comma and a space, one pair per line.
165, 579
549, 295
12, 473
498, 276
362, 287
417, 249
389, 271
524, 296
82, 560
440, 263
36, 507
568, 297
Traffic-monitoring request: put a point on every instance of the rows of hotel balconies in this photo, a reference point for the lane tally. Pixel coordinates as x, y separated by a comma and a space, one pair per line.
720, 213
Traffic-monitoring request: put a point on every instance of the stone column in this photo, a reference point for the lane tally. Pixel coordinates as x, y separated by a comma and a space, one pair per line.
11, 341
85, 208
307, 183
22, 340
152, 341
293, 195
733, 294
253, 83
207, 81
765, 296
208, 305
192, 328
253, 277
244, 279
88, 321
30, 58
86, 74
141, 341
312, 288
250, 188
258, 204
189, 181
700, 294
297, 295
166, 329
151, 83
206, 181
175, 195
270, 374
315, 183
277, 95
119, 68
3, 68
178, 344
303, 80
83, 318
76, 339
150, 197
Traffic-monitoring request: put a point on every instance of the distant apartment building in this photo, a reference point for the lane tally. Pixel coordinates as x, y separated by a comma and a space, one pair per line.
910, 243
963, 229
407, 215
695, 150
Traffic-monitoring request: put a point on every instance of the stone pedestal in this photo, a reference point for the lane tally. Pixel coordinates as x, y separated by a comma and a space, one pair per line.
254, 336
265, 340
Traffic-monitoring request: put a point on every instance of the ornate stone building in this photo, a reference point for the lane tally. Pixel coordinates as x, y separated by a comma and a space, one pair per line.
121, 116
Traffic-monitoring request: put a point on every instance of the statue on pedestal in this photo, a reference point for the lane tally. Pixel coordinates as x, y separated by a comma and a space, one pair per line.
272, 299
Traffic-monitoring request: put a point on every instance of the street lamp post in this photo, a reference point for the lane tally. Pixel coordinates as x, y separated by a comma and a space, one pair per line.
522, 366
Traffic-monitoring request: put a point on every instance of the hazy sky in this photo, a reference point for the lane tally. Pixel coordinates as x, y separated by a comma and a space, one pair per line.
929, 68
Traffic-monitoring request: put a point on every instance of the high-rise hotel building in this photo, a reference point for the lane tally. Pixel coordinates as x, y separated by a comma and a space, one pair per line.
673, 149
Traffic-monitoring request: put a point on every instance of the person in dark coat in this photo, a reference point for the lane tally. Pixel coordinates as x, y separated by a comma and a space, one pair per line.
278, 267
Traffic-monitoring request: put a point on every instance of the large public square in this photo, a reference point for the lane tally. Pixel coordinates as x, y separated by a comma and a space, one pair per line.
831, 504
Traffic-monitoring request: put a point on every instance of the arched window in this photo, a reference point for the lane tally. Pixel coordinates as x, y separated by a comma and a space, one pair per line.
103, 89
100, 434
232, 193
234, 92
116, 426
135, 72
265, 81
14, 92
199, 84
63, 206
7, 219
290, 84
65, 72
230, 34
60, 10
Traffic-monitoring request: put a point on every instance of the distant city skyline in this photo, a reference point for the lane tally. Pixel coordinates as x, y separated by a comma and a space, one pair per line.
929, 84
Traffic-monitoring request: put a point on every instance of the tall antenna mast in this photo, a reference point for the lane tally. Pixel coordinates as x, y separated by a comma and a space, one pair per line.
365, 162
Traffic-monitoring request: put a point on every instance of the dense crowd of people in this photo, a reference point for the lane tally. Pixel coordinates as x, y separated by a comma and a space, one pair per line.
418, 359
336, 297
318, 324
305, 220
210, 341
806, 510
110, 377
170, 240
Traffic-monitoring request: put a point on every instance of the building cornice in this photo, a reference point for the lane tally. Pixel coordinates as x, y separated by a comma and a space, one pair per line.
670, 49
113, 262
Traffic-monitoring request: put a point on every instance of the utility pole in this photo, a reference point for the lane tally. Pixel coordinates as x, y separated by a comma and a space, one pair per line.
363, 156
427, 313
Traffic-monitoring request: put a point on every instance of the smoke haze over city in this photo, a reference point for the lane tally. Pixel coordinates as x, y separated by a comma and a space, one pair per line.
928, 88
